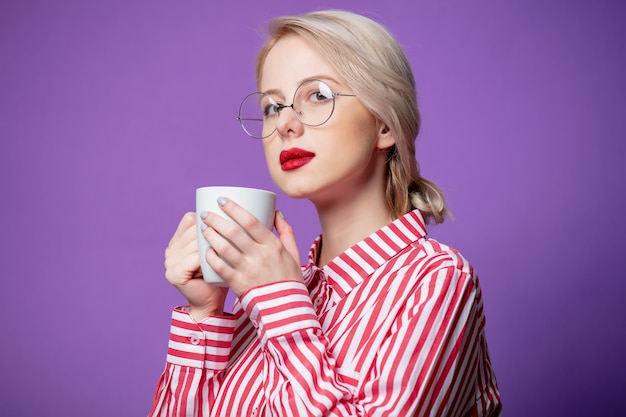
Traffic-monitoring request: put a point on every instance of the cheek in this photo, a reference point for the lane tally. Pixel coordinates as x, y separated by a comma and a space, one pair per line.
363, 124
271, 152
364, 135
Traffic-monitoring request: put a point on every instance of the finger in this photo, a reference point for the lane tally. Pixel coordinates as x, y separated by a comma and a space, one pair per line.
177, 265
286, 235
187, 243
188, 220
228, 230
179, 271
223, 245
190, 235
218, 264
190, 246
191, 262
257, 230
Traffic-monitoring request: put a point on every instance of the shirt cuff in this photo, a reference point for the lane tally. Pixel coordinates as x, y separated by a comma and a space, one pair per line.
279, 308
200, 345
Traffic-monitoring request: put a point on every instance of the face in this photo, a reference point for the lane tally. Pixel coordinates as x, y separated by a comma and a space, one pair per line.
322, 163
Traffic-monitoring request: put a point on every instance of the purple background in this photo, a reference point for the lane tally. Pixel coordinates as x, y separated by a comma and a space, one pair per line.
113, 112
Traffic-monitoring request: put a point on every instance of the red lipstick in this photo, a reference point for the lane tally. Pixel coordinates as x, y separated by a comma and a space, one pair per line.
294, 158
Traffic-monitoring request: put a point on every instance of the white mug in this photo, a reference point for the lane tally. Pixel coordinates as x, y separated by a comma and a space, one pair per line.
260, 203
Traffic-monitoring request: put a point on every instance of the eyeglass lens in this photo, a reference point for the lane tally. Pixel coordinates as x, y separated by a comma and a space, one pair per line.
313, 104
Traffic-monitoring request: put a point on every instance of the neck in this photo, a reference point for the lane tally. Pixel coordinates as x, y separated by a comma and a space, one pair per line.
350, 220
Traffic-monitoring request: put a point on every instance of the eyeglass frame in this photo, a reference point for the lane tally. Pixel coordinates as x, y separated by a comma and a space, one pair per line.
284, 106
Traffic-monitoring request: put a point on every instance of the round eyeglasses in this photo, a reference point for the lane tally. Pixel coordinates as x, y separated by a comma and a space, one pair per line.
313, 104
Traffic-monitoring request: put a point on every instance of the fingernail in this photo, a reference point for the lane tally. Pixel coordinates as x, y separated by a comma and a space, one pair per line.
280, 213
204, 214
221, 201
203, 226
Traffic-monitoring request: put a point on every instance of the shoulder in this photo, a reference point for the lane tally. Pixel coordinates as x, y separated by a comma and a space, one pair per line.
430, 279
428, 260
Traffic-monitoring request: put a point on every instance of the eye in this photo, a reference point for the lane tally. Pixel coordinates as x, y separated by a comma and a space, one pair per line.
322, 94
269, 107
325, 91
270, 110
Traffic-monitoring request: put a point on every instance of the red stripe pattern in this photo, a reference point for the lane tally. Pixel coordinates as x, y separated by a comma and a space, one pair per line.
394, 326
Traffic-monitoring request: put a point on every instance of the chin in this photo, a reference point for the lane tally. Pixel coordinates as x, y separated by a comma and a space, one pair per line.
294, 192
293, 188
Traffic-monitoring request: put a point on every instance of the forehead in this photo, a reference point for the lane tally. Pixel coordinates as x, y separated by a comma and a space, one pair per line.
290, 61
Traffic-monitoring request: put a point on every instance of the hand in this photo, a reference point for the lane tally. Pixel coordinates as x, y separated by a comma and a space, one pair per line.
182, 270
255, 254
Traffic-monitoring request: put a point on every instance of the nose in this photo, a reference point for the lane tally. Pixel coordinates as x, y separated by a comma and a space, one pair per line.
287, 123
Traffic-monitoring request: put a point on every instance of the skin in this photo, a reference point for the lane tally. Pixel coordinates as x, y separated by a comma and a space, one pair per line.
345, 181
348, 172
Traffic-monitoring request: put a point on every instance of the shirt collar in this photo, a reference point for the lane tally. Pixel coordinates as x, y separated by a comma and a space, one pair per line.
351, 267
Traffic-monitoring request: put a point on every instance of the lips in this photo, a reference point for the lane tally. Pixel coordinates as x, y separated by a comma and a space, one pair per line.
295, 158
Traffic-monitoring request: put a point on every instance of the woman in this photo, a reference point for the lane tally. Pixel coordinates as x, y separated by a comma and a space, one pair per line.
380, 320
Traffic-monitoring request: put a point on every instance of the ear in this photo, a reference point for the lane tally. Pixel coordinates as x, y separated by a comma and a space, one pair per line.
385, 137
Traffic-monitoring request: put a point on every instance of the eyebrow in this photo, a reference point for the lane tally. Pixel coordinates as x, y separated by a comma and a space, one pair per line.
278, 92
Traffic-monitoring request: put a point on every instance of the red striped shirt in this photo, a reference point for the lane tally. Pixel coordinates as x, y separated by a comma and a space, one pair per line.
394, 326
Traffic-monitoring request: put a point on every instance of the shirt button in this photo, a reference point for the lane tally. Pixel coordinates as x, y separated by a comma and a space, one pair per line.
318, 302
195, 340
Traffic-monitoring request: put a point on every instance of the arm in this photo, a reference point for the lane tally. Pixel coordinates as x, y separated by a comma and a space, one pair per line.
196, 356
430, 357
301, 377
430, 362
435, 357
200, 336
300, 374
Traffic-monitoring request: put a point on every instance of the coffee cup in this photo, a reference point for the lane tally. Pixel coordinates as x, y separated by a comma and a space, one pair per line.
260, 203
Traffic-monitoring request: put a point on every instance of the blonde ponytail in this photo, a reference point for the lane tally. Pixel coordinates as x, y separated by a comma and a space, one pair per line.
407, 190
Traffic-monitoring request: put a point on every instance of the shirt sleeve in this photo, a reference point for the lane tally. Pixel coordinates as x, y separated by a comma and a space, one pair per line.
430, 362
300, 374
196, 355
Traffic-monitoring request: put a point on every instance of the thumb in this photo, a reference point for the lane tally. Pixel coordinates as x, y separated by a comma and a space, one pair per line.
286, 235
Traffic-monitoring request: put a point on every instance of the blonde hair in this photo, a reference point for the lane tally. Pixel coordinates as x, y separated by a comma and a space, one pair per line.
370, 62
